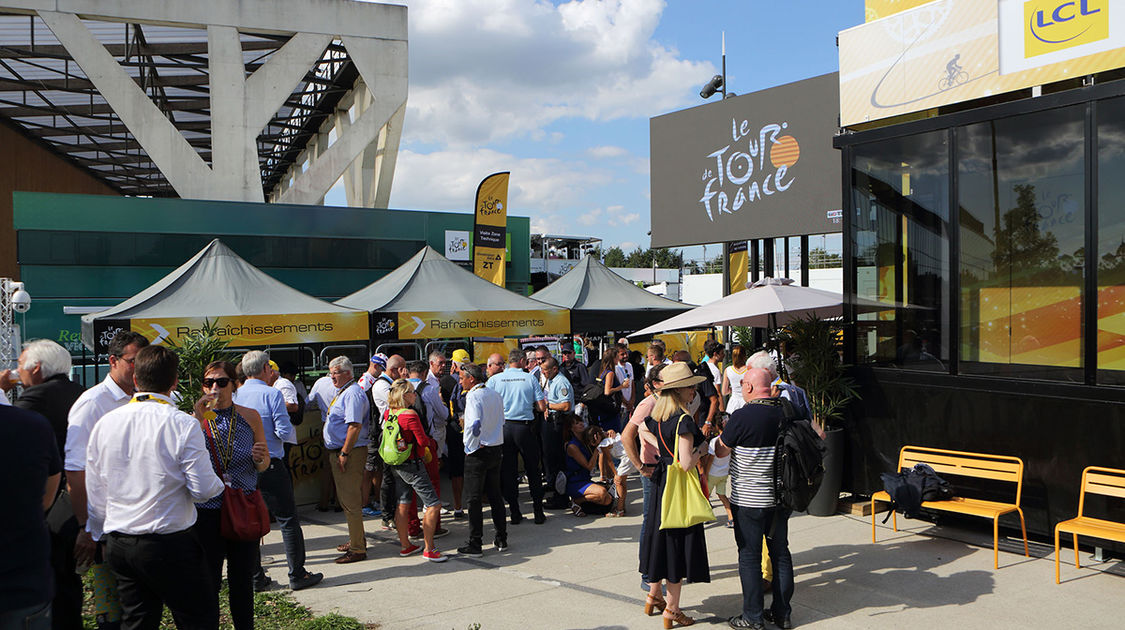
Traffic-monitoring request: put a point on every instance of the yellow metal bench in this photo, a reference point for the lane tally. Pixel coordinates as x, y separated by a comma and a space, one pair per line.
965, 464
1095, 480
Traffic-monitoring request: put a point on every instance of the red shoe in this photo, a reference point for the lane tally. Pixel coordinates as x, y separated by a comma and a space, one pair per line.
434, 556
409, 551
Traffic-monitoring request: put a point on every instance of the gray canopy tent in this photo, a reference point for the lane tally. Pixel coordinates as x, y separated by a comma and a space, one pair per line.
600, 300
429, 297
246, 306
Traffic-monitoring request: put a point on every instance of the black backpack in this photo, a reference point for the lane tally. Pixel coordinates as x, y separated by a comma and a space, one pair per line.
593, 396
420, 407
799, 460
910, 488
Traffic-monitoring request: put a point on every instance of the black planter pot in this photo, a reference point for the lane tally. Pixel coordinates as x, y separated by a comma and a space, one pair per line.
824, 501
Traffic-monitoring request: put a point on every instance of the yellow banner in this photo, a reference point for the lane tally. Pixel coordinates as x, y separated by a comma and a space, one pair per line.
259, 330
452, 324
739, 266
490, 226
950, 51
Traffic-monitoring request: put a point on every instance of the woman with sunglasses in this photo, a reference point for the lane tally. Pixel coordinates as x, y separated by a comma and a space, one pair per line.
237, 444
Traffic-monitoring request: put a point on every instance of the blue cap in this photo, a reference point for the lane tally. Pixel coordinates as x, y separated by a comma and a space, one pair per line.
379, 359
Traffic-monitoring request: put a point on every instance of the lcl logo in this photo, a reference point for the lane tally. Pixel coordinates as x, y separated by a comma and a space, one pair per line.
1053, 25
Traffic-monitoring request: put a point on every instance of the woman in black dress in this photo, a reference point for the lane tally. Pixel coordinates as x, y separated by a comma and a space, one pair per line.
672, 554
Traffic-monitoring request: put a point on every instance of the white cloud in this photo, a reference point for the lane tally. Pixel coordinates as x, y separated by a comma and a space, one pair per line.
448, 179
627, 246
606, 152
618, 216
591, 217
524, 65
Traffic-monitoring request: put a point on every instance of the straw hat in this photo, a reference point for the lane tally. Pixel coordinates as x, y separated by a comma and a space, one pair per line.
679, 375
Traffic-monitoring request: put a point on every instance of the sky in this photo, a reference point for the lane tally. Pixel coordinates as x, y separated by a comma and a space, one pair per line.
560, 94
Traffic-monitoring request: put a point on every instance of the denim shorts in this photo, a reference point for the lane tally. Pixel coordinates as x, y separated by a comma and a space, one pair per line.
415, 479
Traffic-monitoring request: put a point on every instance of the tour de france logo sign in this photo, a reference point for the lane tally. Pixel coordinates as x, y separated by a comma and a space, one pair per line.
756, 162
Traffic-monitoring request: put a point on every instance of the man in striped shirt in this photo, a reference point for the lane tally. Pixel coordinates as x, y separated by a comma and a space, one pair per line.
750, 437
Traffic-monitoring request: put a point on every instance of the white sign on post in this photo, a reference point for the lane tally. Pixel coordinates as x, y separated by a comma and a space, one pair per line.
457, 245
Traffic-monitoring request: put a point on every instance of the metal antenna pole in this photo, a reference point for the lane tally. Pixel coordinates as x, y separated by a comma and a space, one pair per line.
8, 354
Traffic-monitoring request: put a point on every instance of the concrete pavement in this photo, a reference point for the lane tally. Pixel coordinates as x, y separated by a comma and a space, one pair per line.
581, 573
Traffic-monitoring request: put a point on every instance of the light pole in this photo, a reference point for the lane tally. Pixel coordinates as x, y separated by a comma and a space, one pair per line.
718, 84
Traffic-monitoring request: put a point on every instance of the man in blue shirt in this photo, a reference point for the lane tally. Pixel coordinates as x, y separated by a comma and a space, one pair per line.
522, 396
482, 439
275, 482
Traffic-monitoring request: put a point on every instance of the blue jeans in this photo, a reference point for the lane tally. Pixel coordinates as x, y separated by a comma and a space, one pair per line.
646, 492
37, 617
277, 490
750, 524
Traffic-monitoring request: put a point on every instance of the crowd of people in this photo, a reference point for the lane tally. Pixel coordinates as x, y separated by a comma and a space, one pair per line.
152, 501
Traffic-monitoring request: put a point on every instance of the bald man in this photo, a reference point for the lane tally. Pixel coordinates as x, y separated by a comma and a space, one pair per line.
750, 437
495, 365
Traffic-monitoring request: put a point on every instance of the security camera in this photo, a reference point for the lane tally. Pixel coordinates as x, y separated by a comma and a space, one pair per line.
21, 301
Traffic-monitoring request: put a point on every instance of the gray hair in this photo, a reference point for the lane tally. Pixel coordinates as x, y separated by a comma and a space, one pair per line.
342, 363
254, 362
436, 354
474, 371
51, 358
764, 360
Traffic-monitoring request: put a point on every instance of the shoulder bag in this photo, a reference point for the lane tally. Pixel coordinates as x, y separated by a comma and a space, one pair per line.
243, 516
683, 503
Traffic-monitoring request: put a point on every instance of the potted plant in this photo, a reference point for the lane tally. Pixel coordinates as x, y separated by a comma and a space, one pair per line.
814, 364
196, 351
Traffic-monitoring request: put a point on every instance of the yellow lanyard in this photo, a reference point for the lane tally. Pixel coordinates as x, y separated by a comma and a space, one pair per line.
148, 398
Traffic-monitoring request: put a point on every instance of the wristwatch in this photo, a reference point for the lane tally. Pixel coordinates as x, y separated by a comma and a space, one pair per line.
343, 454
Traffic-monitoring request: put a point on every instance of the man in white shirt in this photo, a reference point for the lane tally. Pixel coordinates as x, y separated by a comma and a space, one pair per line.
483, 430
146, 467
90, 407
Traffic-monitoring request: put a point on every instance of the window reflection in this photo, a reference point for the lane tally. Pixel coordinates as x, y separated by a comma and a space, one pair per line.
901, 199
1111, 242
1021, 197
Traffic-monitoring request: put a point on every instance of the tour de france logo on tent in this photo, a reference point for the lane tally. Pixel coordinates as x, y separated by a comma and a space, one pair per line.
757, 162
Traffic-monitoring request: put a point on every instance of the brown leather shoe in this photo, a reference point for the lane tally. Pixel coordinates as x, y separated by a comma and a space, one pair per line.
350, 557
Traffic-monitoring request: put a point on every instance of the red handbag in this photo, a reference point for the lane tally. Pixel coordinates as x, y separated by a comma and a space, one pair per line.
243, 516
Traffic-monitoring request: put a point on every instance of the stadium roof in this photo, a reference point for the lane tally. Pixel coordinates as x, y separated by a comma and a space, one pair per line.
46, 95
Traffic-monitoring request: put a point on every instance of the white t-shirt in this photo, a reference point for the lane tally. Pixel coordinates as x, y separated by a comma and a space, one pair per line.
621, 373
616, 448
734, 377
720, 466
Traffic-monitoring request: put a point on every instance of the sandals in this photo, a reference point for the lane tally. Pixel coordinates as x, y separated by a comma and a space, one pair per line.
615, 513
677, 617
577, 510
654, 605
344, 548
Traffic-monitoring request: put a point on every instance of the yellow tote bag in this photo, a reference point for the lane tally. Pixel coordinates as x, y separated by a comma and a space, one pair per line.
683, 504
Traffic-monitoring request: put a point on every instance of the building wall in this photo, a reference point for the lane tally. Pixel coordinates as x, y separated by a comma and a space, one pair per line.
25, 165
81, 250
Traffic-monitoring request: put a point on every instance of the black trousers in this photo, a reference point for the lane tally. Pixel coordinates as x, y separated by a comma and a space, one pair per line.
520, 440
554, 451
157, 570
242, 563
482, 479
66, 608
277, 489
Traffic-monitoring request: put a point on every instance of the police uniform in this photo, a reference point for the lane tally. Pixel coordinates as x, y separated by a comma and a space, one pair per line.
520, 392
559, 389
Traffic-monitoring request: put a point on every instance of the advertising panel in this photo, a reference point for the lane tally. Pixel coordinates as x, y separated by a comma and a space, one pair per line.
490, 228
242, 331
457, 245
754, 166
951, 51
442, 325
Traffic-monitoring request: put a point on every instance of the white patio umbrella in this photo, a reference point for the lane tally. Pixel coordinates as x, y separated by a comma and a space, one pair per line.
767, 303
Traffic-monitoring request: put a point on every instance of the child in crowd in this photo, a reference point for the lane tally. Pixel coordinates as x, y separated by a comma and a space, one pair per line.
610, 446
717, 469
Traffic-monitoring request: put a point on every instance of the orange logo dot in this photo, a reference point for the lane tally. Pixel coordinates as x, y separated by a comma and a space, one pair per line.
785, 152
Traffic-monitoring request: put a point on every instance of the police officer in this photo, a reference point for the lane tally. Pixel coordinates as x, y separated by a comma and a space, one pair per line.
560, 401
522, 396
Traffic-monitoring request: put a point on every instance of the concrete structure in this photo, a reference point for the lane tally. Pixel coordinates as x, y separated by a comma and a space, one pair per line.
235, 100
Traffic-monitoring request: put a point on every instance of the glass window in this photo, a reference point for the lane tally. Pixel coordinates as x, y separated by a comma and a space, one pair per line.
901, 245
1022, 197
1111, 242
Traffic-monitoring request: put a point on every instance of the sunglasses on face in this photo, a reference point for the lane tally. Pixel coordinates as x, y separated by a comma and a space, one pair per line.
221, 382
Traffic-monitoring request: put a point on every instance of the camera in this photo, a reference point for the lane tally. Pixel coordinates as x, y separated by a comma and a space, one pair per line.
21, 301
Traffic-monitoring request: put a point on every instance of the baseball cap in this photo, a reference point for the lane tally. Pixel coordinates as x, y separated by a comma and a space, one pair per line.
460, 356
273, 365
379, 359
567, 350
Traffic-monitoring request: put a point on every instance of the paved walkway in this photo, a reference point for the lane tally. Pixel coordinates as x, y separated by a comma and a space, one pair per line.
581, 573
